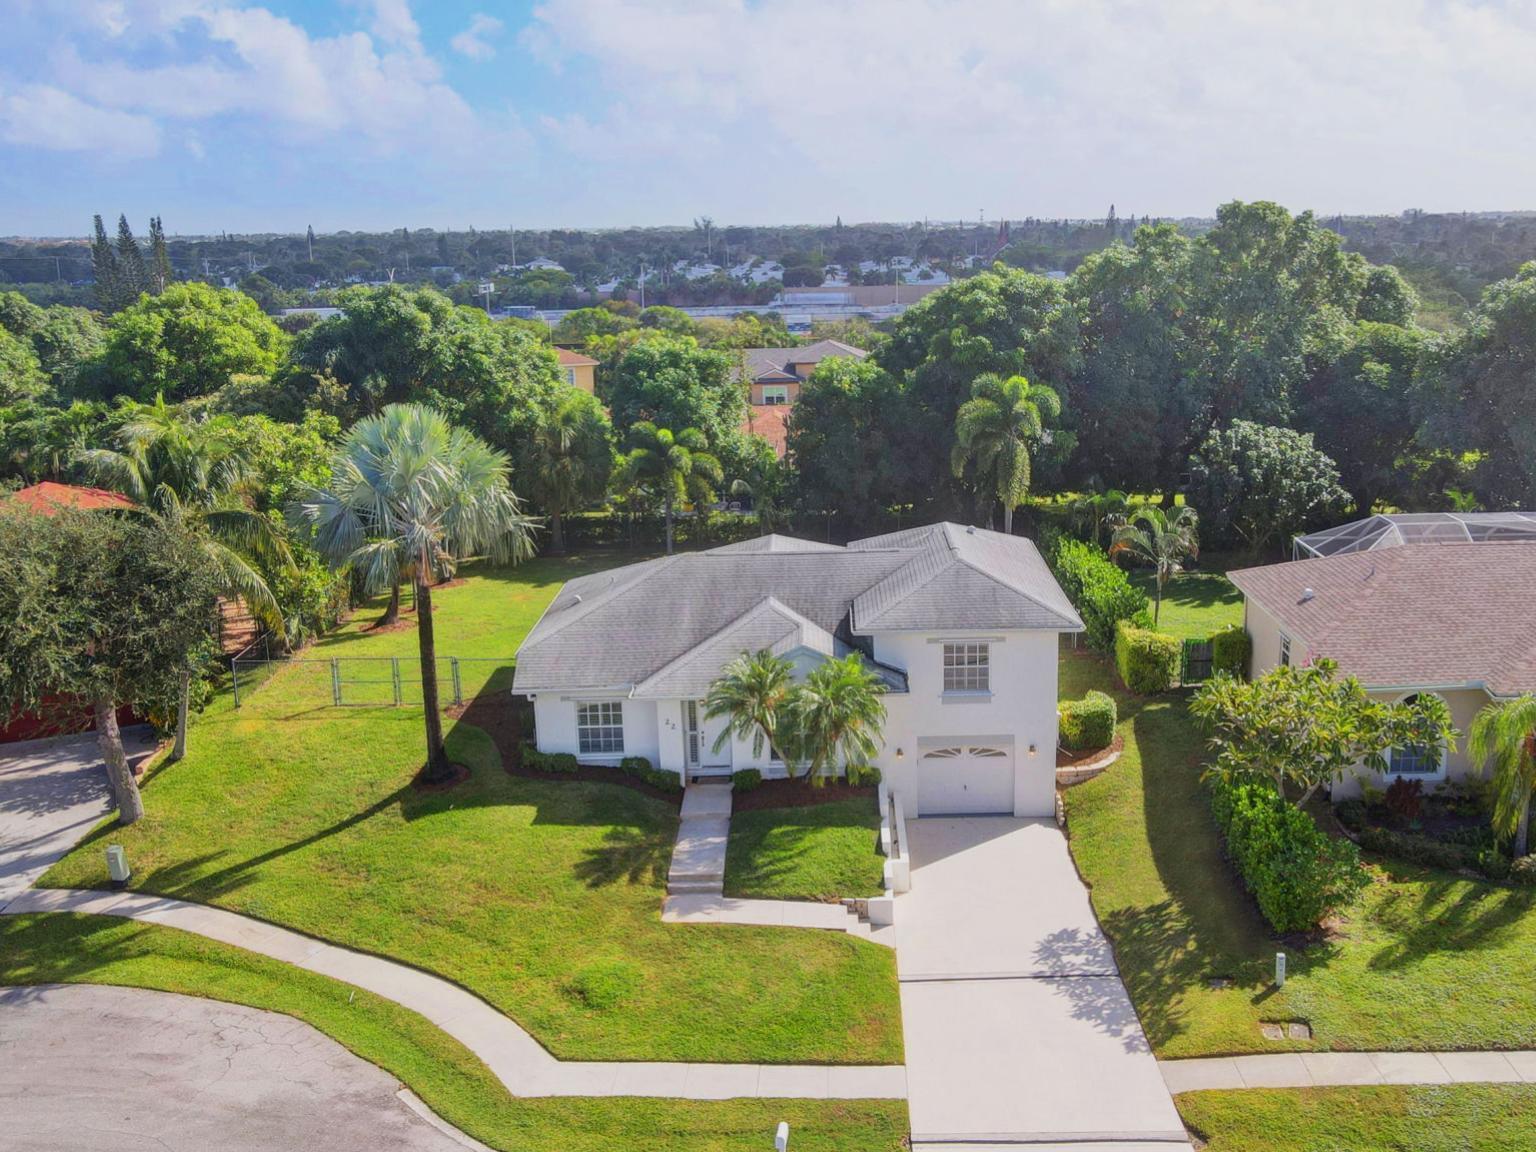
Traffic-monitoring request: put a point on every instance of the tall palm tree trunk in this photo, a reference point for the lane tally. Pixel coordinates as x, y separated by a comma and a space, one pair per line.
109, 739
1523, 830
1007, 519
392, 613
438, 767
556, 533
183, 699
667, 509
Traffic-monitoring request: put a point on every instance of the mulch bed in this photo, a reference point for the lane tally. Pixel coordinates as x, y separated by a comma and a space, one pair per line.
1065, 759
502, 717
794, 794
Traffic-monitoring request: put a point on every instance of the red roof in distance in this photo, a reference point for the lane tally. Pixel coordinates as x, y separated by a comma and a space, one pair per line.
48, 497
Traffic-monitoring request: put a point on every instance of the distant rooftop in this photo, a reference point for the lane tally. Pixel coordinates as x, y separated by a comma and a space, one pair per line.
48, 497
1397, 529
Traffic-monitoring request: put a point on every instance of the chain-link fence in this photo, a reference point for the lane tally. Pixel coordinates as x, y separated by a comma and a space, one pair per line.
369, 681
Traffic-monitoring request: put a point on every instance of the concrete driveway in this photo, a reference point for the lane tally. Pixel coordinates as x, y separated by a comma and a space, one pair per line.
1018, 1028
87, 1068
52, 792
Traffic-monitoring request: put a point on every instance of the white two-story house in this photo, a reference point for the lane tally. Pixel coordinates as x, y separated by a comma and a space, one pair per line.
962, 624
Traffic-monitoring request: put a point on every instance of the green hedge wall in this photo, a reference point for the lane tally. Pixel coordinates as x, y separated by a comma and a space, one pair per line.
1103, 594
1230, 650
1088, 724
1148, 662
1298, 874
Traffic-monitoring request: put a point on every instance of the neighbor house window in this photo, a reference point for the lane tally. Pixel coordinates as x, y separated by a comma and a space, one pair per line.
600, 728
1285, 650
1414, 759
570, 377
967, 668
775, 393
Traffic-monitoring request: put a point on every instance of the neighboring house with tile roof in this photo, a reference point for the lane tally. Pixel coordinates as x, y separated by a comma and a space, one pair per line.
961, 624
577, 370
48, 497
774, 377
1456, 619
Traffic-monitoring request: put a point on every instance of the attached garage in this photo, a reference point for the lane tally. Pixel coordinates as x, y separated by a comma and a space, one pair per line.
965, 778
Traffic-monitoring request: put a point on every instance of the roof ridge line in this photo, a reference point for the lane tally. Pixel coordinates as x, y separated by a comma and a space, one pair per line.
770, 602
585, 608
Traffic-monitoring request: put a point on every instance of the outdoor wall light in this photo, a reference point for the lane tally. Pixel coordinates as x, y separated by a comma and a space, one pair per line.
900, 754
1031, 749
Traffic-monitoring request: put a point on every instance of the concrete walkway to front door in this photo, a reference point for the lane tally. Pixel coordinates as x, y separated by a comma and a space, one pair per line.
703, 830
1018, 1029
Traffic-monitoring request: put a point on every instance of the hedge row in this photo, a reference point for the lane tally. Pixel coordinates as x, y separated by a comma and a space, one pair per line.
1087, 724
1298, 874
637, 766
1230, 649
1148, 661
1102, 592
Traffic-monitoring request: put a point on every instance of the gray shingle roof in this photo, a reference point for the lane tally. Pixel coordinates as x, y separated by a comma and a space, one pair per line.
1449, 615
773, 542
769, 625
771, 364
623, 628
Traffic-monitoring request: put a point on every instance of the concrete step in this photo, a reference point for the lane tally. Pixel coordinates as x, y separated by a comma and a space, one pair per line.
702, 886
707, 800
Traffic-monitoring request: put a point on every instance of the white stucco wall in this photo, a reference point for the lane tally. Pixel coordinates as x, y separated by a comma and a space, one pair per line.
1022, 708
554, 719
1264, 630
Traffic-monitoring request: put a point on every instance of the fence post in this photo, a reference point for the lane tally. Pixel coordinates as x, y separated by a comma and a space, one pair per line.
394, 664
234, 678
336, 681
458, 684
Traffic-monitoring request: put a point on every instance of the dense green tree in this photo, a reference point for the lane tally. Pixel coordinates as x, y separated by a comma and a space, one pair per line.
186, 342
69, 339
1261, 485
160, 275
577, 326
412, 496
850, 436
1303, 728
568, 459
1475, 392
39, 441
672, 468
1386, 298
104, 270
19, 316
112, 610
673, 383
996, 429
132, 273
21, 376
1357, 402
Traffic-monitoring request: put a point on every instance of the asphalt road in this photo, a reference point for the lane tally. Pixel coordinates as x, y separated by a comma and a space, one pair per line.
87, 1068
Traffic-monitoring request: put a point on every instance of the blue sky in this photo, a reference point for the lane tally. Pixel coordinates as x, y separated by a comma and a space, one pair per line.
258, 115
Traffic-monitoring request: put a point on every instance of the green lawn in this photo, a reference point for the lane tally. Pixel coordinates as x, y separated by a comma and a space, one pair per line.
1195, 604
542, 897
1424, 960
103, 950
820, 852
1451, 1118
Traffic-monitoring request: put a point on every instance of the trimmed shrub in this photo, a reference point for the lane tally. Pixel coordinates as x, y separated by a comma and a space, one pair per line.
1088, 724
1412, 848
1298, 874
537, 761
663, 780
1148, 662
862, 775
1102, 592
1230, 650
636, 766
745, 779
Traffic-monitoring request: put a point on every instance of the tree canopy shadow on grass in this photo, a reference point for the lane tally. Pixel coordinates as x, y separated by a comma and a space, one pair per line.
627, 854
1446, 914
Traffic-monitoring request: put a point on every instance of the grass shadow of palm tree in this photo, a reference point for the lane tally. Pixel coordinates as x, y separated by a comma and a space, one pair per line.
629, 855
1442, 914
1086, 978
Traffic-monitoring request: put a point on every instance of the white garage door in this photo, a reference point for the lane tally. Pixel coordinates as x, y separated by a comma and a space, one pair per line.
965, 779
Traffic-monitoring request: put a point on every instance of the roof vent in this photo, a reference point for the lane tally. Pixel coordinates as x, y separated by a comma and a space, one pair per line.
970, 529
576, 599
1307, 594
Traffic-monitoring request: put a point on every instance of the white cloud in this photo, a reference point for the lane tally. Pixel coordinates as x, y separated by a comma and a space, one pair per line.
42, 116
1060, 106
475, 41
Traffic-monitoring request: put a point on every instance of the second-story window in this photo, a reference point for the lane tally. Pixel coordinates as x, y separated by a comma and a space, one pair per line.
775, 393
967, 668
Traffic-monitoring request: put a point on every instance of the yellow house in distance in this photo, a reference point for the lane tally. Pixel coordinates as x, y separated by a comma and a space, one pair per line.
775, 374
577, 370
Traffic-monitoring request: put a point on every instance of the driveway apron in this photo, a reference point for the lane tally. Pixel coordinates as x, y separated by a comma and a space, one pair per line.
1018, 1028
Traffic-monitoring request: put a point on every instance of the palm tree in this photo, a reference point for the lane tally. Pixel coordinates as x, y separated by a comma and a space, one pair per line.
672, 468
1100, 510
1163, 541
834, 717
193, 473
752, 691
1505, 733
996, 427
411, 496
569, 459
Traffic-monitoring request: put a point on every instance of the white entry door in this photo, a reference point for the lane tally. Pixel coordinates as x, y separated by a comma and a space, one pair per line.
965, 780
